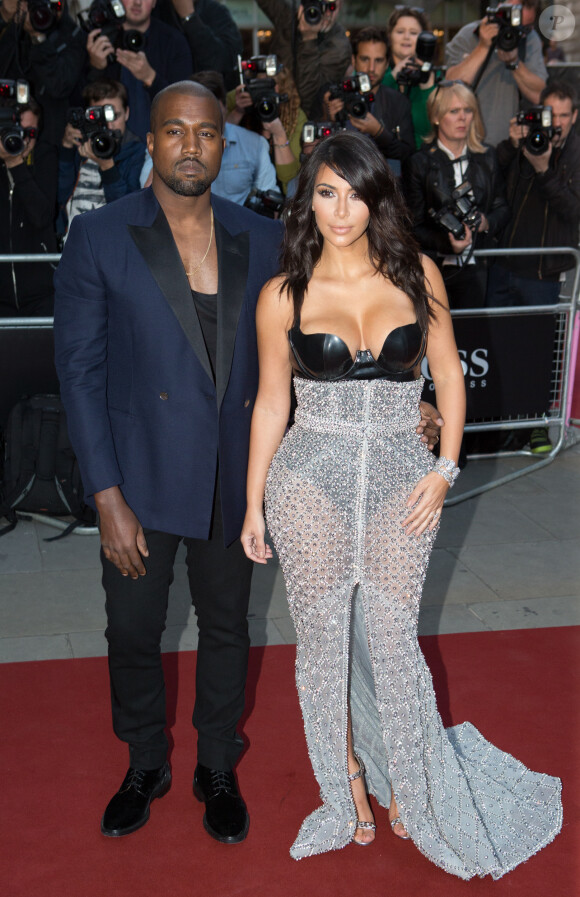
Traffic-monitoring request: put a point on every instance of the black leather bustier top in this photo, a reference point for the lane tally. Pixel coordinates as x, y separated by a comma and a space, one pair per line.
324, 356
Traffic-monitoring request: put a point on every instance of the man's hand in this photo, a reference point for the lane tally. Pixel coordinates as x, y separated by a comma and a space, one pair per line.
332, 107
122, 537
138, 65
72, 137
487, 32
367, 125
517, 132
99, 47
540, 164
184, 8
243, 102
459, 245
430, 425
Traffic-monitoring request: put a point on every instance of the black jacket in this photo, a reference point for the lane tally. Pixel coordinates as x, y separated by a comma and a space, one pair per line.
27, 210
53, 69
545, 207
213, 37
393, 110
431, 170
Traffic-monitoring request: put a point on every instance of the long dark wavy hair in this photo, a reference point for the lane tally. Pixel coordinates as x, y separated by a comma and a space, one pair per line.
393, 250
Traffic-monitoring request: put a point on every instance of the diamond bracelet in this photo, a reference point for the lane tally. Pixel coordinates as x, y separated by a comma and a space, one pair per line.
447, 469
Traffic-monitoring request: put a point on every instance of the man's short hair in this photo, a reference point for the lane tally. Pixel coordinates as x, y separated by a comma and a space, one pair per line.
214, 81
105, 89
564, 90
187, 88
370, 34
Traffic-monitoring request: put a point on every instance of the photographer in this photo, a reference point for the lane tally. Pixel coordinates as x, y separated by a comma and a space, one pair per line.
27, 210
45, 47
542, 170
403, 28
500, 77
246, 164
165, 58
543, 191
214, 38
317, 53
455, 158
389, 121
284, 132
87, 179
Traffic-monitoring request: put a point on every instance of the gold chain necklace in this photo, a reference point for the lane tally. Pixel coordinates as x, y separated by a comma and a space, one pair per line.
197, 267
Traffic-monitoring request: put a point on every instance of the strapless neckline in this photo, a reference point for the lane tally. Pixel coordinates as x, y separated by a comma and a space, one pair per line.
359, 352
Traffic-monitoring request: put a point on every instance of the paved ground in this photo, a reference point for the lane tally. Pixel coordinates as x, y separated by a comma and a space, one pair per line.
508, 559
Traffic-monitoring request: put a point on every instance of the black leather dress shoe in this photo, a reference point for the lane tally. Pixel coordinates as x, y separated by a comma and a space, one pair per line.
128, 809
226, 818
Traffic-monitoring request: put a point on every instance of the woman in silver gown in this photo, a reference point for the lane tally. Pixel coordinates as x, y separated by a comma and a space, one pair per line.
353, 501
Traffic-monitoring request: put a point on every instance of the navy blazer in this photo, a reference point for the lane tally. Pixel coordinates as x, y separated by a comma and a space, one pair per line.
143, 411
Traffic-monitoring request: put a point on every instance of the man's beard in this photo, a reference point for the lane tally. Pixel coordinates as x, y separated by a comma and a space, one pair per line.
185, 187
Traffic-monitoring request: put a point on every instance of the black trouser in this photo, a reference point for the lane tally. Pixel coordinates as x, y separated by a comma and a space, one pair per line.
219, 581
465, 286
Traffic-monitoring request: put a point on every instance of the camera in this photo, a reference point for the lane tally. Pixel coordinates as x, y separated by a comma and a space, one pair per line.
265, 100
355, 92
109, 15
418, 72
509, 19
43, 14
265, 202
317, 130
13, 94
457, 211
92, 123
541, 131
315, 9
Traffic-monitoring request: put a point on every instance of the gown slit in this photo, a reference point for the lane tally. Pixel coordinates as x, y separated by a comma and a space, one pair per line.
336, 496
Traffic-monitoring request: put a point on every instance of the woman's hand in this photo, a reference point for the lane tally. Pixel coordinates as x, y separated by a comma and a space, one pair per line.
252, 538
426, 499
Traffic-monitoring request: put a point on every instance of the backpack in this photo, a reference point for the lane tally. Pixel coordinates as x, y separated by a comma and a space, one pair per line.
41, 472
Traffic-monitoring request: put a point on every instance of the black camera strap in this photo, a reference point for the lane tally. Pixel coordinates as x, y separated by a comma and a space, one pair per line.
484, 65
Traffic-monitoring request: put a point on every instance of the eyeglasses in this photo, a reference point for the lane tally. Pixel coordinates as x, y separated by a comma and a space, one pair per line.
446, 83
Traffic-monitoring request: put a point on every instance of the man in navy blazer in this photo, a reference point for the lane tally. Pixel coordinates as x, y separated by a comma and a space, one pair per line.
157, 359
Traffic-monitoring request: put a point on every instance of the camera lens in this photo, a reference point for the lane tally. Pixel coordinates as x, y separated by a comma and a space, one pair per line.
358, 109
133, 40
537, 142
103, 145
41, 18
267, 108
312, 15
12, 140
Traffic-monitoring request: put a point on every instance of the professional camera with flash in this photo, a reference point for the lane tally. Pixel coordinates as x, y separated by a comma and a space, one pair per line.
315, 9
13, 94
317, 130
92, 123
539, 121
355, 92
457, 211
509, 19
257, 77
419, 71
109, 15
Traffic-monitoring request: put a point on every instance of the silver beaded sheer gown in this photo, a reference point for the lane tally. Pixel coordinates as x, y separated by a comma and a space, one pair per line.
335, 497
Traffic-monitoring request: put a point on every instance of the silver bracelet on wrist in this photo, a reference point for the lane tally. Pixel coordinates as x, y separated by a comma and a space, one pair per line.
447, 469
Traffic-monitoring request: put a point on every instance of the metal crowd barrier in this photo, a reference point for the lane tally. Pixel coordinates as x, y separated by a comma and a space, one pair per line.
554, 412
556, 409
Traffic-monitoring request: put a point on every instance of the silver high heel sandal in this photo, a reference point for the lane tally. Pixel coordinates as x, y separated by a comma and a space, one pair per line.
361, 824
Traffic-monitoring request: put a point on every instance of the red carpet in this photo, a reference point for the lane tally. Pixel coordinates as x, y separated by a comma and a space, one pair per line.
61, 763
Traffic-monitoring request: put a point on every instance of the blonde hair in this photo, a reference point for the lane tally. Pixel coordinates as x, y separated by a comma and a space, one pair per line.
288, 111
440, 102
